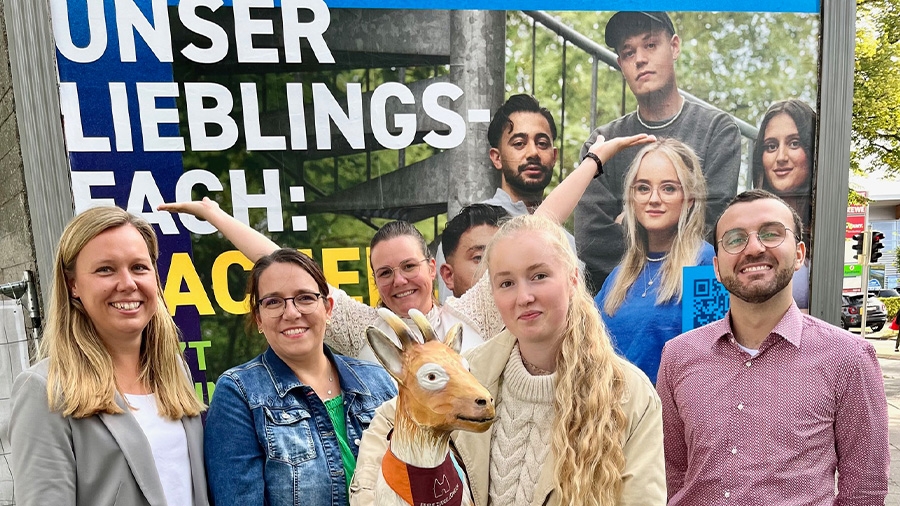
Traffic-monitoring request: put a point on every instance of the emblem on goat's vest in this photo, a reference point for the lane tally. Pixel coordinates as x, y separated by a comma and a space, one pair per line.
437, 395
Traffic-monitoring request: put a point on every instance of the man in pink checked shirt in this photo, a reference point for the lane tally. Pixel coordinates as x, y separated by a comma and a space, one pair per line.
770, 406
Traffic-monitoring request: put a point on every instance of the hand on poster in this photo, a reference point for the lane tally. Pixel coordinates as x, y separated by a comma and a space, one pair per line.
251, 243
197, 208
563, 199
607, 149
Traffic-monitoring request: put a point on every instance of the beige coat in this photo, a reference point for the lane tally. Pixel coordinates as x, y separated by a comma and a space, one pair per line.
644, 478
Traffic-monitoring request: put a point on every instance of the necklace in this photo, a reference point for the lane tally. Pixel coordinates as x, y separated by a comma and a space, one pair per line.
533, 369
664, 125
660, 259
331, 383
650, 281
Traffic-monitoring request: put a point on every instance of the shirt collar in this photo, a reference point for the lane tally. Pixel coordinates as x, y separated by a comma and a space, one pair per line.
506, 200
790, 327
285, 380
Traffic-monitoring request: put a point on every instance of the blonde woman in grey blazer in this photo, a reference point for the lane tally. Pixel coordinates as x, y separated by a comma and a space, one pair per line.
109, 416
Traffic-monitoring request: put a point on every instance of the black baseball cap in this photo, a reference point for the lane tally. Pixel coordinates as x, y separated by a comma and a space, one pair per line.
626, 23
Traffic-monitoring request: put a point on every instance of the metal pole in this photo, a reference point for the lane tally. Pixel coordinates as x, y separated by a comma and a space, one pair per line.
867, 252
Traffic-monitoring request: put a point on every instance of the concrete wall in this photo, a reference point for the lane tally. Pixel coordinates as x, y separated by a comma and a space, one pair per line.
16, 255
16, 242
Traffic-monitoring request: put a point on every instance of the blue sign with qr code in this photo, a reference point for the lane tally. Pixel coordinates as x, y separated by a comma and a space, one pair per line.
704, 299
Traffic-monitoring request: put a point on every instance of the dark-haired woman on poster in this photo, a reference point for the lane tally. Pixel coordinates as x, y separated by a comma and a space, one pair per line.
783, 158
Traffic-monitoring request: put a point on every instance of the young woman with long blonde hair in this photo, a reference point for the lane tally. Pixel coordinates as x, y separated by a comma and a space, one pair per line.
576, 423
664, 210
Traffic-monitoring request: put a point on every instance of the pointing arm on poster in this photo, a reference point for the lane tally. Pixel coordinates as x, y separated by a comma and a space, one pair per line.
251, 243
560, 203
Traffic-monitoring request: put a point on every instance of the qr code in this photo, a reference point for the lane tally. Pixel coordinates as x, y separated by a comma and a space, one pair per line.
704, 299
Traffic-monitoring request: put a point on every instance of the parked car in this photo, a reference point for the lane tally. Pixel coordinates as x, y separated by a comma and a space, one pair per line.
876, 314
885, 293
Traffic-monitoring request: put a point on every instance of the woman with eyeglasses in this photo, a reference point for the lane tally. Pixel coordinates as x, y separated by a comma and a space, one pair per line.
284, 428
664, 209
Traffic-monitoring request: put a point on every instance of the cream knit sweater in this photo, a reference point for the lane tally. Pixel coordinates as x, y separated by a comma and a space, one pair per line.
520, 441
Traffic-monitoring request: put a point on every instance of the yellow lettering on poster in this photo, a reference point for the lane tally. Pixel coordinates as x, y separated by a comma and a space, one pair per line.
335, 276
220, 281
182, 269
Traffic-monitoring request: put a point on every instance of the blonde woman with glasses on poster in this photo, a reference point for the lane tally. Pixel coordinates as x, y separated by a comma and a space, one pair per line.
664, 209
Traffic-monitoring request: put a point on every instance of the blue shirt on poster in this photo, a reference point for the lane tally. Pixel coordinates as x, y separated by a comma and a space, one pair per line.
641, 327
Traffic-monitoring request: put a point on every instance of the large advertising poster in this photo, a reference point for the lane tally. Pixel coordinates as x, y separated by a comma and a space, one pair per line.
317, 122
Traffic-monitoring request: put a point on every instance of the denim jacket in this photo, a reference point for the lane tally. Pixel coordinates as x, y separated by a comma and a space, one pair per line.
269, 440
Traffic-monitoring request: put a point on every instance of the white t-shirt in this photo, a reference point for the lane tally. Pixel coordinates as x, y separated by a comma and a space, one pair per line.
168, 442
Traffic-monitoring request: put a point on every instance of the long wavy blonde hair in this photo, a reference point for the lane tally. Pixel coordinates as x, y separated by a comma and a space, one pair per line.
688, 236
81, 379
590, 386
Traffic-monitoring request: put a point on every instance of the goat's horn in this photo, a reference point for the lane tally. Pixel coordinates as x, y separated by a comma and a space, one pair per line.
403, 333
423, 324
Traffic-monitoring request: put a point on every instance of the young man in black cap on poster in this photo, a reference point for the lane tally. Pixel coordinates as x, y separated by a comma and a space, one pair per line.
647, 48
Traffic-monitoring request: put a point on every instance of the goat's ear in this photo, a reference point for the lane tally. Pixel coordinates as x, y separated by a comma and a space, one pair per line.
454, 338
386, 351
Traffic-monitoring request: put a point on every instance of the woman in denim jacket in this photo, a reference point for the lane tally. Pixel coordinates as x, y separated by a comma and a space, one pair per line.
284, 428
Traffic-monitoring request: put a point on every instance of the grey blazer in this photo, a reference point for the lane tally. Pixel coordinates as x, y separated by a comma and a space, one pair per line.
100, 460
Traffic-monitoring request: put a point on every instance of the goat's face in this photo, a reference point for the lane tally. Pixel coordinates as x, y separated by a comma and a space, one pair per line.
434, 381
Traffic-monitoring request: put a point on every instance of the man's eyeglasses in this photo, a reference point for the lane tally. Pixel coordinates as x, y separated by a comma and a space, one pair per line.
667, 192
305, 303
408, 270
770, 235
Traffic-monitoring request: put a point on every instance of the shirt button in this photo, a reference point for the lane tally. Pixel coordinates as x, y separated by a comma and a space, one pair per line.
285, 416
733, 451
748, 363
727, 494
356, 442
740, 406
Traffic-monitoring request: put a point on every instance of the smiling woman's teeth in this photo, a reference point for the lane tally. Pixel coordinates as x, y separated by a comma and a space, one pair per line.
293, 332
126, 305
404, 294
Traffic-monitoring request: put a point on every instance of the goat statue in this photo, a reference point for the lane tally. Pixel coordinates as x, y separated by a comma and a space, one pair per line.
437, 395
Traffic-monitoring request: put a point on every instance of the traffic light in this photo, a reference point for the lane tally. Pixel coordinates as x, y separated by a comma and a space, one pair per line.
859, 245
877, 237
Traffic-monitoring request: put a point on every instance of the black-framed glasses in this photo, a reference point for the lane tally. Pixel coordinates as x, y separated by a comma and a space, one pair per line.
304, 303
770, 235
667, 191
407, 269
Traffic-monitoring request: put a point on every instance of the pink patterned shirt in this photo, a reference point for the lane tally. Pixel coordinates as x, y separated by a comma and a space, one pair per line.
773, 430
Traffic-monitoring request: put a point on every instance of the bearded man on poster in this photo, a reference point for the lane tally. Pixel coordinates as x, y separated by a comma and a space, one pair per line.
647, 48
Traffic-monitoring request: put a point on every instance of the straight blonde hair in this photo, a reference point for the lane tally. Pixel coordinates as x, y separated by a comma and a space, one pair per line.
81, 379
688, 236
590, 386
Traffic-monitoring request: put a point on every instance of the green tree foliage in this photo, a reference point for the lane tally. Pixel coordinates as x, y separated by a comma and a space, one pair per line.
876, 92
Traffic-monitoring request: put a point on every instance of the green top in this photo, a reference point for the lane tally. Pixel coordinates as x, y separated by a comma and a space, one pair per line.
335, 407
